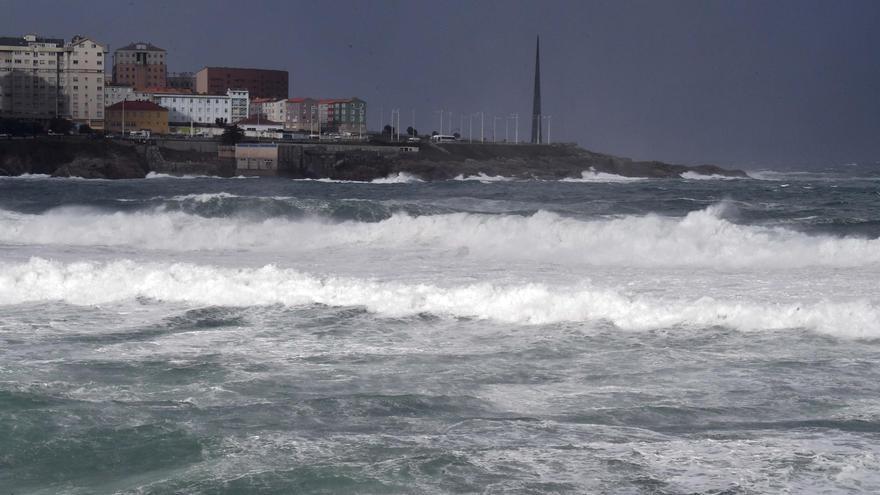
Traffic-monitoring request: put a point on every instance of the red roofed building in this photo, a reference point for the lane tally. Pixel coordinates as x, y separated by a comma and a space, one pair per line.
136, 116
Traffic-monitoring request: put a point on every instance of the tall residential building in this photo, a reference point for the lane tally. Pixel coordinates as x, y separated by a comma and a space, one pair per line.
140, 65
260, 83
82, 81
302, 114
343, 114
30, 77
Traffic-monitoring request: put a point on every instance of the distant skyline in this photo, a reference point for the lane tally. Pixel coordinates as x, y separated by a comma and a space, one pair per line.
751, 84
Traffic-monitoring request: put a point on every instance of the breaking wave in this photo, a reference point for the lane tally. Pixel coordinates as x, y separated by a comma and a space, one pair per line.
398, 178
701, 238
592, 176
86, 283
696, 176
481, 177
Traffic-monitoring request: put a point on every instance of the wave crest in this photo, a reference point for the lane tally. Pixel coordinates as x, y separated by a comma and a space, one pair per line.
87, 283
701, 238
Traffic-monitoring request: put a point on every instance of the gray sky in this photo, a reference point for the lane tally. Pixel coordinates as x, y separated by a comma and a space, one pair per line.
745, 83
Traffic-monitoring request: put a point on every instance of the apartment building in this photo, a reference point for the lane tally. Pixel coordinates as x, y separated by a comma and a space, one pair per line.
205, 109
140, 65
343, 115
260, 83
30, 77
302, 114
82, 81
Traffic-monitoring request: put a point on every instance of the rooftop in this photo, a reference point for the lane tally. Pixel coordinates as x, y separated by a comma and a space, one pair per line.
23, 41
137, 105
257, 120
243, 68
141, 46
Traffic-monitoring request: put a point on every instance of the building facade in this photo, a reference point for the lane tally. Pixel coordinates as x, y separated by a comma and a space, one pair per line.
127, 116
185, 81
271, 109
343, 115
82, 81
114, 93
140, 65
302, 114
30, 77
205, 109
260, 83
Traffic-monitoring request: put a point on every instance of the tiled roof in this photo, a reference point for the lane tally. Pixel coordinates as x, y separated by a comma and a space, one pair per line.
137, 105
147, 47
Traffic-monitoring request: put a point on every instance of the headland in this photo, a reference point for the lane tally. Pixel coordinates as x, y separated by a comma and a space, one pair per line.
103, 158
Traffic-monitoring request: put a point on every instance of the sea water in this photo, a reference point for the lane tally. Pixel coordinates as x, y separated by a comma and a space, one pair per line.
595, 335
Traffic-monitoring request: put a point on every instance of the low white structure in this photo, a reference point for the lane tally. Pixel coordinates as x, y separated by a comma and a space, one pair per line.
205, 109
114, 93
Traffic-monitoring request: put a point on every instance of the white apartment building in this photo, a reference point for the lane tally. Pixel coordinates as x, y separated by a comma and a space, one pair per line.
274, 110
205, 109
30, 77
82, 81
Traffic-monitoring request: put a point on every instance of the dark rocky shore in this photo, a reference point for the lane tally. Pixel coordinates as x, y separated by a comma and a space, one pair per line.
113, 159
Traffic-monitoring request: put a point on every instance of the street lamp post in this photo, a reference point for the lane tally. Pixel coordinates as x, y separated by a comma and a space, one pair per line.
494, 134
515, 117
441, 112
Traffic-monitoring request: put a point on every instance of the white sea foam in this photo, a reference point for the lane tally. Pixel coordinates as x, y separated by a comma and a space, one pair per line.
203, 197
696, 176
86, 283
591, 175
481, 177
398, 178
26, 176
702, 238
158, 175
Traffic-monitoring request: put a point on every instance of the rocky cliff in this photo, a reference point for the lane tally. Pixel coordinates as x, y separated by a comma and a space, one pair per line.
101, 158
82, 157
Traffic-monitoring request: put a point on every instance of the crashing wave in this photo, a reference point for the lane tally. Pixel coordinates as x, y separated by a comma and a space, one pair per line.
86, 283
481, 177
398, 178
590, 175
697, 176
701, 238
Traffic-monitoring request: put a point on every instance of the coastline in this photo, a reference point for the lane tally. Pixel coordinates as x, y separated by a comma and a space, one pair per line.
102, 158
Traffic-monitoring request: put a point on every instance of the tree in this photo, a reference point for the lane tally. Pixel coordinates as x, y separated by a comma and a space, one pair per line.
232, 135
456, 135
435, 133
387, 130
412, 131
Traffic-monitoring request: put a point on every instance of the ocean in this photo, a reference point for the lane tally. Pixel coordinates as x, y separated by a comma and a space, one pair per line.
597, 335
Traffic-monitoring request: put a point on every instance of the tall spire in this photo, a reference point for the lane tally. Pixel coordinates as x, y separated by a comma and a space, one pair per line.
537, 135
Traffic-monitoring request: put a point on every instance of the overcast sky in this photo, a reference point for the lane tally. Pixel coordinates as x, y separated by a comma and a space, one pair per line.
745, 83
